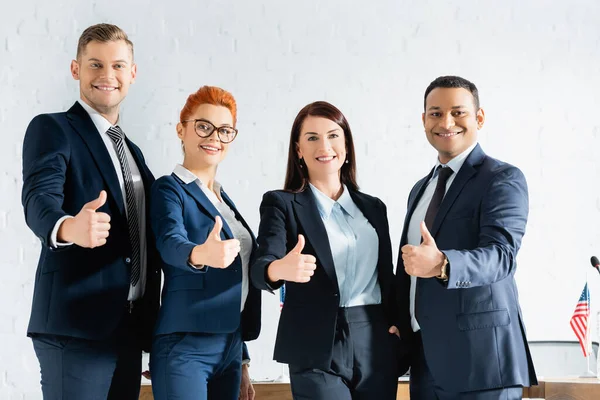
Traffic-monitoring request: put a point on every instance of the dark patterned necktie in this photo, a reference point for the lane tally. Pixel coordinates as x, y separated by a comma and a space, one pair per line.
440, 189
118, 137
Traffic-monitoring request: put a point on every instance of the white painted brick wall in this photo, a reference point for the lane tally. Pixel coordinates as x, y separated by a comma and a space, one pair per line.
537, 65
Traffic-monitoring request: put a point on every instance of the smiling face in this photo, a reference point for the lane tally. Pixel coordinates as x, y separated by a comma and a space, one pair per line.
104, 71
322, 147
451, 121
210, 151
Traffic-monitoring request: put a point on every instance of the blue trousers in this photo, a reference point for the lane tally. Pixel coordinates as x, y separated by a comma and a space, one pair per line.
196, 366
422, 384
80, 369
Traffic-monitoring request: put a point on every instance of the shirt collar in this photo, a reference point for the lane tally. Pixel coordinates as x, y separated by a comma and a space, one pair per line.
99, 121
457, 162
325, 203
188, 176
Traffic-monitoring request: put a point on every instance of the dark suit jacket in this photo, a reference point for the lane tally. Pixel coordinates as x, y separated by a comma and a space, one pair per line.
198, 300
307, 325
472, 330
81, 292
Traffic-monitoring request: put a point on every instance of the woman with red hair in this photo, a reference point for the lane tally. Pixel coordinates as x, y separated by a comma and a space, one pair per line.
208, 306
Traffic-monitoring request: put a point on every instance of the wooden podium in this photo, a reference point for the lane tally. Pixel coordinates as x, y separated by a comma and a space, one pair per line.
549, 389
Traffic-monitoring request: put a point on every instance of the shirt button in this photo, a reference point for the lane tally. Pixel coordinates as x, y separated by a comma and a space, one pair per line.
127, 260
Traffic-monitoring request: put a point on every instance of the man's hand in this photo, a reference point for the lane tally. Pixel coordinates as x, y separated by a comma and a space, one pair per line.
394, 331
215, 252
295, 266
425, 260
88, 228
246, 388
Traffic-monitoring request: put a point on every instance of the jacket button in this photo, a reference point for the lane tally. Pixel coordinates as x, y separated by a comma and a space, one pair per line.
335, 295
127, 260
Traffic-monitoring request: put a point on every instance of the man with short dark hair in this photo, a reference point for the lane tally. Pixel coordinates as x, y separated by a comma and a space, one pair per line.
455, 276
85, 195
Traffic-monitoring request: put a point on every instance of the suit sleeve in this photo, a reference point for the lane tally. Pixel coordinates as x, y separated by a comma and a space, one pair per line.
503, 217
390, 303
46, 154
245, 353
272, 240
168, 226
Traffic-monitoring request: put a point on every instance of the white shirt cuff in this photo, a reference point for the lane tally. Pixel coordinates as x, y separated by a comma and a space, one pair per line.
54, 243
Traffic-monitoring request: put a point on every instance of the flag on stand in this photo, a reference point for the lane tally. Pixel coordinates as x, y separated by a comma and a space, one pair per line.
281, 296
580, 321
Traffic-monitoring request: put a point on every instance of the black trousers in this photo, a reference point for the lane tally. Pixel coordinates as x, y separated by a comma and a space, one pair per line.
364, 365
423, 386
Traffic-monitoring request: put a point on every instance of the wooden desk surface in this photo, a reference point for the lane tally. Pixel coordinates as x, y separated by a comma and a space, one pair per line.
549, 389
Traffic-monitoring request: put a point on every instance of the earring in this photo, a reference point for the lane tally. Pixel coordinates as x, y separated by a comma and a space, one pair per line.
346, 161
300, 162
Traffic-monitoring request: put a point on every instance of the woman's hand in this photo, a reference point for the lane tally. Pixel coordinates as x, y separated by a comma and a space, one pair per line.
294, 267
214, 252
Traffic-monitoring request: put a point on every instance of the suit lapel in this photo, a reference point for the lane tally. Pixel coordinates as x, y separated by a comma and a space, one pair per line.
315, 233
412, 204
147, 177
370, 211
465, 173
197, 194
83, 125
238, 216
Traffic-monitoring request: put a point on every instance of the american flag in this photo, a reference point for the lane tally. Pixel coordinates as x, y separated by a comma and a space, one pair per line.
579, 321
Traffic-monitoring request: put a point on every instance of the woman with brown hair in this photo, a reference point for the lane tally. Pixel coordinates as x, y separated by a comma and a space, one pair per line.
208, 306
330, 245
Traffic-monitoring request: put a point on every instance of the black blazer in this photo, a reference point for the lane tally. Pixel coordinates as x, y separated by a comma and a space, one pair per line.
307, 325
81, 292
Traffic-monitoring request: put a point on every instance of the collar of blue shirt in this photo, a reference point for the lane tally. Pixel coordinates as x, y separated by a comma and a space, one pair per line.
325, 203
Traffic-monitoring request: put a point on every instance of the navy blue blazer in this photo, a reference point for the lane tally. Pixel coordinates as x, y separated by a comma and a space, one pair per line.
81, 292
198, 300
472, 330
307, 325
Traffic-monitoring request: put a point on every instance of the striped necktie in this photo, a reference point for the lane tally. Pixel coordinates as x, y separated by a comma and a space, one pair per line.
118, 137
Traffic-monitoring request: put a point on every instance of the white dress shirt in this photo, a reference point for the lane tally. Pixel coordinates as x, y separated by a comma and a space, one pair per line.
237, 228
102, 125
414, 228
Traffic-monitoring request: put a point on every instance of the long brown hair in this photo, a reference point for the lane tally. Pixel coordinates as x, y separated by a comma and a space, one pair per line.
296, 176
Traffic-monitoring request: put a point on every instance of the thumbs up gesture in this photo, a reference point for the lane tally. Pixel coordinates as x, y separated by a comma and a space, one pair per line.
215, 252
425, 260
295, 266
89, 228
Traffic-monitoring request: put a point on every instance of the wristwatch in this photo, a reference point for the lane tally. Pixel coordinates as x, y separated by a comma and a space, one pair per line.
443, 275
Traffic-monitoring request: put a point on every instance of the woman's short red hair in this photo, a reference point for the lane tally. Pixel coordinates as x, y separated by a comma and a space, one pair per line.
209, 95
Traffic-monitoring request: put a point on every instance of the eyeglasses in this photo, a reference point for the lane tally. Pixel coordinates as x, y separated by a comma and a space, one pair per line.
204, 129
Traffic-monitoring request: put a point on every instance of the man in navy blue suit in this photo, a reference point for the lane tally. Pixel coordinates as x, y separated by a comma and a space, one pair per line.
85, 191
464, 224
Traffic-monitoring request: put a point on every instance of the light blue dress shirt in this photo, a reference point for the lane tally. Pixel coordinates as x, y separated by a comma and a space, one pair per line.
354, 246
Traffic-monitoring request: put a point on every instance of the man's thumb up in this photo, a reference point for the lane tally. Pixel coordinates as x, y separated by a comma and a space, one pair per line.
96, 203
299, 246
428, 240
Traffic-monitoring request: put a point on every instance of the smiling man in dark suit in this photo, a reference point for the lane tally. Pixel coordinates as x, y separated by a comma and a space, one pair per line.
85, 188
458, 297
